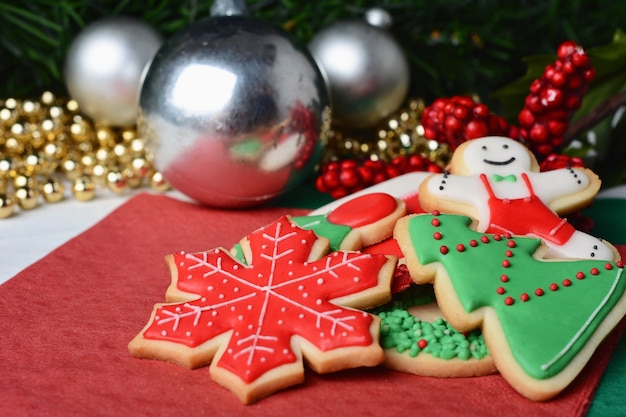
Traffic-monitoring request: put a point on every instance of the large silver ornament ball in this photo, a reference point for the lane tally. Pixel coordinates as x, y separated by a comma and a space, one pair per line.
104, 67
232, 110
366, 71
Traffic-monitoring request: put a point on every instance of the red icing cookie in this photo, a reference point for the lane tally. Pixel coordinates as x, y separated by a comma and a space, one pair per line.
254, 323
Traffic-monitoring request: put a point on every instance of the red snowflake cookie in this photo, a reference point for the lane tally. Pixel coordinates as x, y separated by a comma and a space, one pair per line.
254, 322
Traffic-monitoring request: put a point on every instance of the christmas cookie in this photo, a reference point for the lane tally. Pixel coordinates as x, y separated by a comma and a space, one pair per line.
358, 222
541, 319
365, 222
255, 323
418, 340
497, 181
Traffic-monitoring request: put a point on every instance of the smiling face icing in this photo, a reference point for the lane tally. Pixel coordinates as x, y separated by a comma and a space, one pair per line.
493, 155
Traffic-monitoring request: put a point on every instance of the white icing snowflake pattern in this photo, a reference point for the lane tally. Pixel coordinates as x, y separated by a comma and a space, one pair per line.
278, 294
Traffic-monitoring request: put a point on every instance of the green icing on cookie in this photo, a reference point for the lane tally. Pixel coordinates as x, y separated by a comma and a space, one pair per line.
412, 336
320, 225
547, 310
237, 253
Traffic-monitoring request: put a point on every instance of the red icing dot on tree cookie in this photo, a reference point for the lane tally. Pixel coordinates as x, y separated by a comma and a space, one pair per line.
506, 263
554, 286
364, 210
594, 271
444, 249
460, 247
473, 243
524, 297
435, 222
539, 292
437, 235
509, 301
504, 278
484, 239
567, 282
511, 244
509, 253
580, 275
500, 290
608, 266
422, 343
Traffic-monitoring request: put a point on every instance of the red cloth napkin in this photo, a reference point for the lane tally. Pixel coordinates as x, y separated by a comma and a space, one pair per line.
66, 320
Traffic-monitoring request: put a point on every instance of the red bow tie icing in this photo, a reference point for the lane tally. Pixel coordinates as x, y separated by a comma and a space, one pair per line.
254, 322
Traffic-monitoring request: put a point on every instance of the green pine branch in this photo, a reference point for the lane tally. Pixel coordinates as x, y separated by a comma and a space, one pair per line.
453, 46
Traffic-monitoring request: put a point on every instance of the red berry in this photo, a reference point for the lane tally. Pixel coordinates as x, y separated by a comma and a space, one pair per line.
566, 49
553, 99
459, 118
538, 133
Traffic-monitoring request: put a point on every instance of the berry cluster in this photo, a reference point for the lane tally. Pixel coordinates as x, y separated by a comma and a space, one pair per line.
458, 119
544, 120
554, 98
558, 161
341, 178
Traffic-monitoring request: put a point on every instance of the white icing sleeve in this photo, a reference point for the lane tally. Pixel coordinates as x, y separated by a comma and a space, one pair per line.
551, 185
458, 188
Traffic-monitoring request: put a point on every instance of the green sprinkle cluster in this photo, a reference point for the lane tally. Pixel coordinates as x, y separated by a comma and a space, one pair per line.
406, 333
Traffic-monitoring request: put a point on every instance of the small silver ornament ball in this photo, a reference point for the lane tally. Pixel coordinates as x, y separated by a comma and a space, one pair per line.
104, 66
365, 69
232, 110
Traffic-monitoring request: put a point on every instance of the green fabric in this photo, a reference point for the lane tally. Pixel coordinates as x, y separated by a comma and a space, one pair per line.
609, 217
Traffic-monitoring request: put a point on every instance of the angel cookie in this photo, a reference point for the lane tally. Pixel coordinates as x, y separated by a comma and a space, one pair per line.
541, 319
497, 181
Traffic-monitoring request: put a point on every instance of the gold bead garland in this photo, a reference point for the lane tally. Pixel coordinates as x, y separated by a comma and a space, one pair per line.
399, 134
46, 143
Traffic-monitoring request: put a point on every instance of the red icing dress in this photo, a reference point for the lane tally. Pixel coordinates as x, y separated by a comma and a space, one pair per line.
525, 216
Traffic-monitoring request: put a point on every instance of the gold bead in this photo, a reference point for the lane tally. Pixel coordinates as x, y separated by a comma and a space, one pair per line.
6, 206
106, 136
33, 162
8, 116
116, 181
141, 167
56, 113
80, 130
103, 155
99, 173
83, 188
71, 168
13, 146
158, 182
11, 103
7, 167
87, 162
72, 105
48, 98
24, 181
52, 190
137, 146
26, 197
133, 180
121, 152
129, 134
